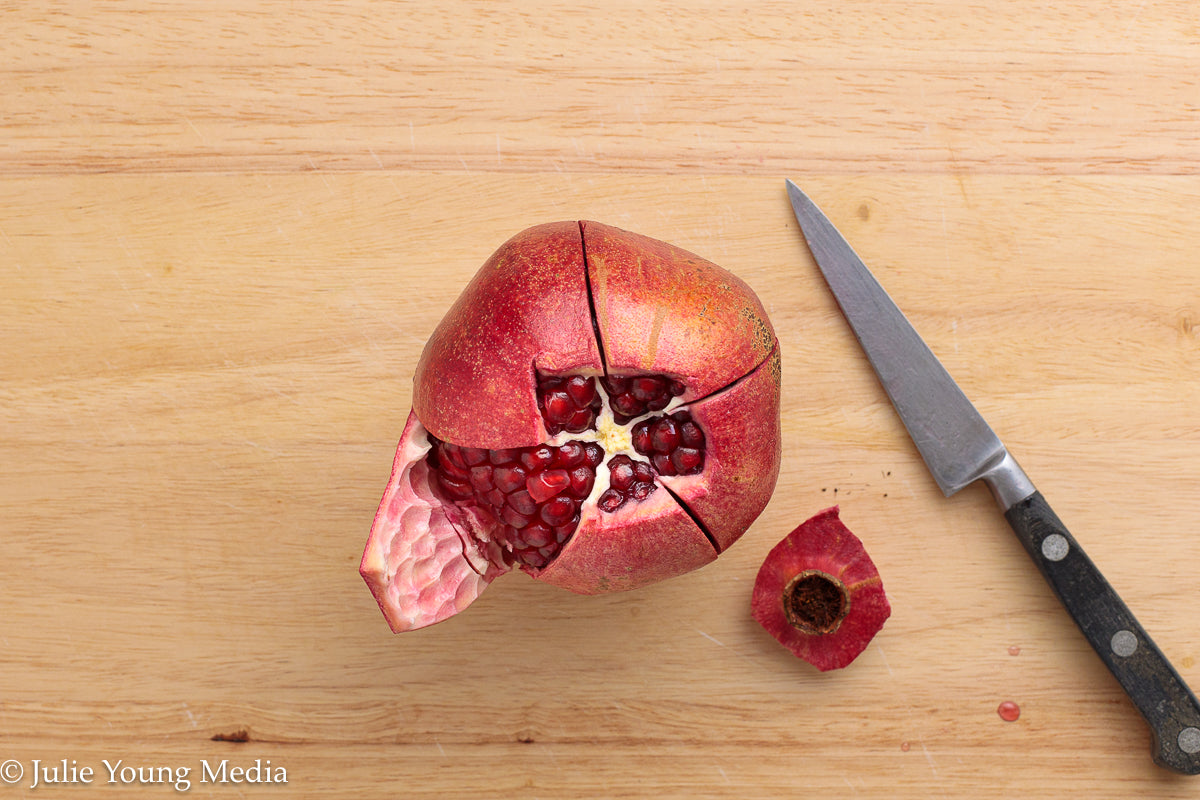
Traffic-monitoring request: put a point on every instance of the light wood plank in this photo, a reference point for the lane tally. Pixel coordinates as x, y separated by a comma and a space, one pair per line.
727, 88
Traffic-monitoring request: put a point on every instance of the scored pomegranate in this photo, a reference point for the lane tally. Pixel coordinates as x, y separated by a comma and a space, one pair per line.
598, 408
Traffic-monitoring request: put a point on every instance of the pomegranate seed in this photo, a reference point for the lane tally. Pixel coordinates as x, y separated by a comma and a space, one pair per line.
537, 534
582, 390
664, 435
593, 454
462, 456
558, 511
647, 389
535, 558
634, 396
481, 478
558, 407
627, 405
569, 455
455, 488
691, 435
641, 491
545, 485
641, 437
509, 478
687, 461
453, 455
611, 500
580, 421
620, 469
502, 456
582, 480
474, 456
614, 385
523, 503
659, 403
452, 470
662, 464
511, 516
643, 472
537, 458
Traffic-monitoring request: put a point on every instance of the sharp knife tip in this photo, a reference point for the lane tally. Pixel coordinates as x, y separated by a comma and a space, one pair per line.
795, 192
802, 205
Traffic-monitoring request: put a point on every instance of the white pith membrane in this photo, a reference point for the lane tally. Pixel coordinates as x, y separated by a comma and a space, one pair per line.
416, 562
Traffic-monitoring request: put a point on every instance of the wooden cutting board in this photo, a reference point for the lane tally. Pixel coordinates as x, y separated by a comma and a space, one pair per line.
226, 231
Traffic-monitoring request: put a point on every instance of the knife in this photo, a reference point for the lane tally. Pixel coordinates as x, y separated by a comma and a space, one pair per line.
960, 448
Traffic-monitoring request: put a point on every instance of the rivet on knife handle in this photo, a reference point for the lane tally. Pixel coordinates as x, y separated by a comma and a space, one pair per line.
960, 448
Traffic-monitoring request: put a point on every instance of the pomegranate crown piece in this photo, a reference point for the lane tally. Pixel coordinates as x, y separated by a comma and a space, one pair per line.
819, 594
598, 408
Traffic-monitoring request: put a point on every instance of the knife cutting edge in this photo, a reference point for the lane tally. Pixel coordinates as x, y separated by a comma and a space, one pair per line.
960, 448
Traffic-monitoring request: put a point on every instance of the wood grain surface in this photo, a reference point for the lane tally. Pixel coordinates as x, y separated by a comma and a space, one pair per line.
227, 229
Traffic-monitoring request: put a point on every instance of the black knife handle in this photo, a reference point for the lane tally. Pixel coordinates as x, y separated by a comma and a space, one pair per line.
1153, 685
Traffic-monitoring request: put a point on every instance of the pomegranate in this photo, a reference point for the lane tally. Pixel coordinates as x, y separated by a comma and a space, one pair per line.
819, 594
598, 409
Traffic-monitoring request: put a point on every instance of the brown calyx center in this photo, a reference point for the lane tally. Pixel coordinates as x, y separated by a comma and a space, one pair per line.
816, 602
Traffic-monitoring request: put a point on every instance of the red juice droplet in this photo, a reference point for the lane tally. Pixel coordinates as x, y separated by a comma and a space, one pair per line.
1009, 711
1014, 650
904, 746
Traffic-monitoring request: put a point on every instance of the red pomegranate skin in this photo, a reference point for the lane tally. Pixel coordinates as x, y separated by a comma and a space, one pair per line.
580, 299
526, 307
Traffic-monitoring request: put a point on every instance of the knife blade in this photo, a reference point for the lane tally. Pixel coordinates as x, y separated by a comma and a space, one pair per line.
959, 447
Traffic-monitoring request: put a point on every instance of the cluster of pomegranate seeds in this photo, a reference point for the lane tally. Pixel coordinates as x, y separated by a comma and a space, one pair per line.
627, 480
674, 444
568, 403
639, 394
534, 492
